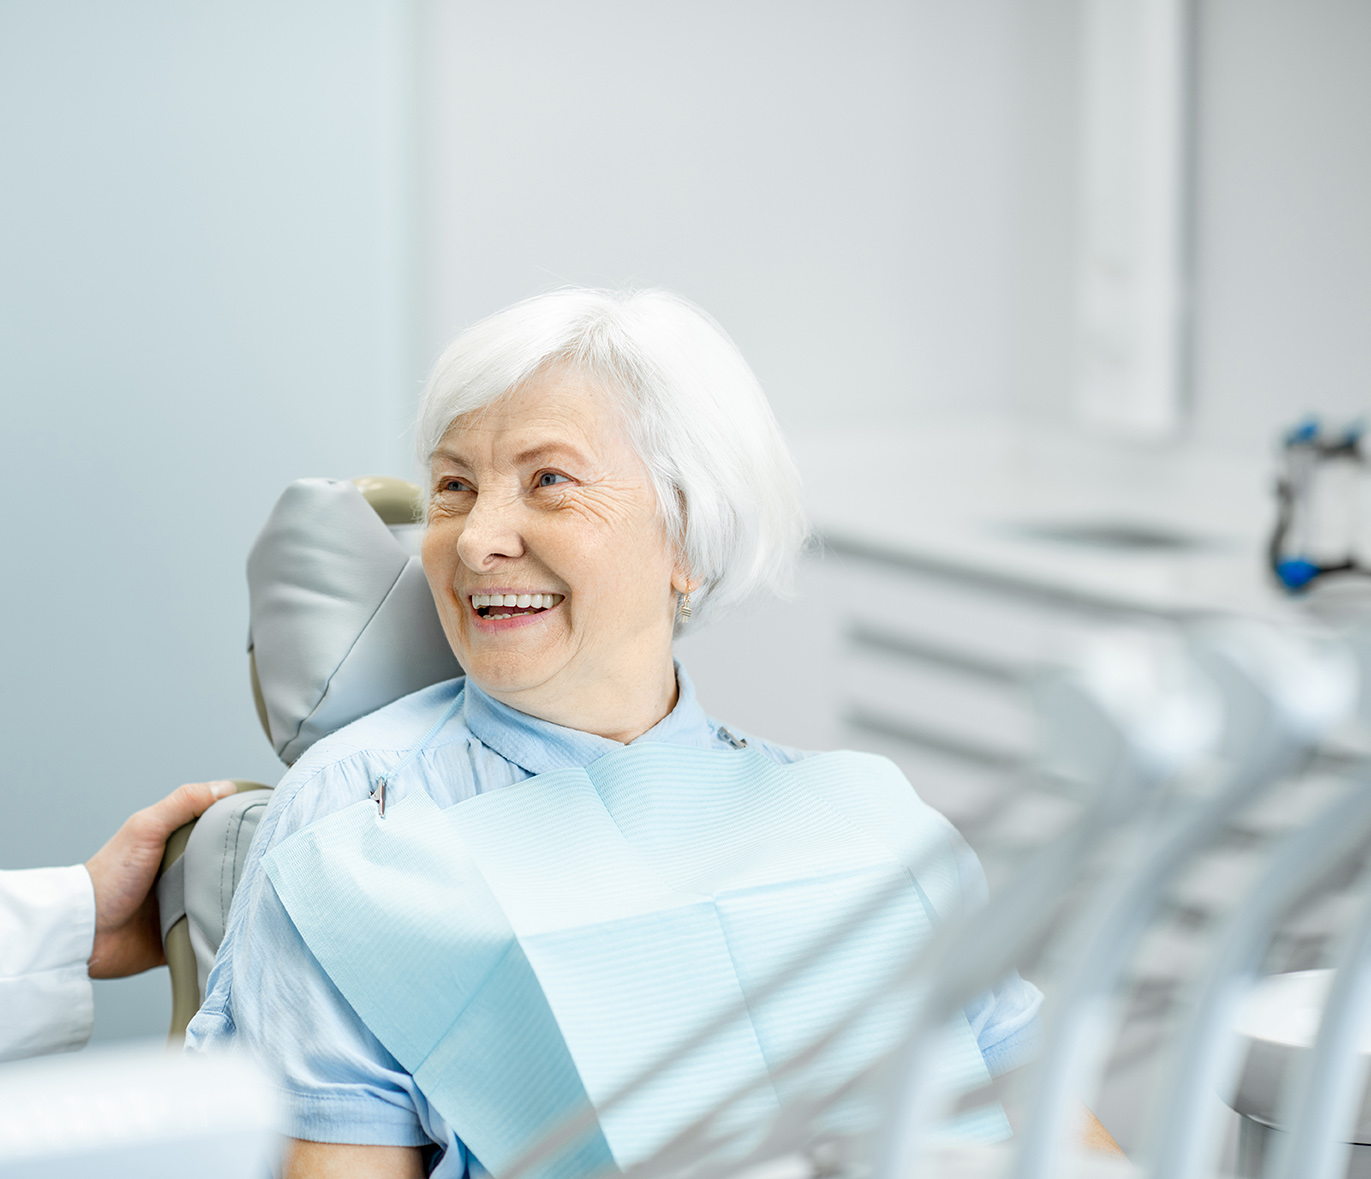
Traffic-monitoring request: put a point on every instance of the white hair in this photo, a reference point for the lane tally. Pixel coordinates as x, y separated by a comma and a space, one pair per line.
726, 486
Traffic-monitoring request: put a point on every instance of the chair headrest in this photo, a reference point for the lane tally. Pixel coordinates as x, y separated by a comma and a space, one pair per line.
342, 620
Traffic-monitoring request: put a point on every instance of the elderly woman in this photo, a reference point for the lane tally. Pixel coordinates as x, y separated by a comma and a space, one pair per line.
527, 883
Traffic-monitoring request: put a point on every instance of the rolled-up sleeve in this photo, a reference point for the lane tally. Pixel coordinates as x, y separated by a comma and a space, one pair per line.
1007, 1025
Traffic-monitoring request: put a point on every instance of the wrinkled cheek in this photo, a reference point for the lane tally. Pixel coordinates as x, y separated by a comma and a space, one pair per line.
449, 605
453, 628
432, 554
439, 559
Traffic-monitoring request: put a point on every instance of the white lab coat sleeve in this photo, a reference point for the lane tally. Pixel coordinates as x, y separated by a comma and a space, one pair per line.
47, 931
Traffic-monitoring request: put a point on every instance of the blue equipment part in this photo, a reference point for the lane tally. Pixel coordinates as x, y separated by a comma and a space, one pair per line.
1306, 448
1297, 572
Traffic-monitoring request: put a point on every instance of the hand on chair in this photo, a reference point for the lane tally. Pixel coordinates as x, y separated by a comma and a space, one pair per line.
128, 938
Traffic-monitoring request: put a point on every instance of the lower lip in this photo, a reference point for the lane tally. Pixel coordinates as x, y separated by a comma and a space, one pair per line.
495, 625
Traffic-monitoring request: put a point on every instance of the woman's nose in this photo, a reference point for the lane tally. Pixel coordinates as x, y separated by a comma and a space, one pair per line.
490, 533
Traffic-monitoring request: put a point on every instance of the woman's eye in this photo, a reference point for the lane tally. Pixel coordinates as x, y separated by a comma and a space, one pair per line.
453, 485
551, 479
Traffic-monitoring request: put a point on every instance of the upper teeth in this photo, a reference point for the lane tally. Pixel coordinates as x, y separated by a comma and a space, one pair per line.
537, 601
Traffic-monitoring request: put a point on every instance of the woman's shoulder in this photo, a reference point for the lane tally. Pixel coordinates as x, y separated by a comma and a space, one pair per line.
818, 760
342, 768
398, 726
867, 783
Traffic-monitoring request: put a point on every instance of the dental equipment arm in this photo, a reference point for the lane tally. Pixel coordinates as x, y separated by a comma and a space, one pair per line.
1134, 740
1278, 699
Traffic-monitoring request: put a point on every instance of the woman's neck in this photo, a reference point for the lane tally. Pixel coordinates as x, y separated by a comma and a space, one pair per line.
619, 709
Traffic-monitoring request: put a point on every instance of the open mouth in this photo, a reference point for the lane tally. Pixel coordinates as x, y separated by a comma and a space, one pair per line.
493, 607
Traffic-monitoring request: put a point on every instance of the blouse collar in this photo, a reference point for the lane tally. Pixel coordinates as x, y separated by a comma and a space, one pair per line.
539, 746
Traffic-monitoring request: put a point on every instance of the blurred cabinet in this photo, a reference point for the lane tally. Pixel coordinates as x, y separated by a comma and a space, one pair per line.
970, 554
935, 671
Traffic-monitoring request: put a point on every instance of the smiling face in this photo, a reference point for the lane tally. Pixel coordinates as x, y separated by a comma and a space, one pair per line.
540, 498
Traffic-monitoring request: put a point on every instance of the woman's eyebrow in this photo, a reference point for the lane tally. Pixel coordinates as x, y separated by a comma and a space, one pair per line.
446, 452
544, 450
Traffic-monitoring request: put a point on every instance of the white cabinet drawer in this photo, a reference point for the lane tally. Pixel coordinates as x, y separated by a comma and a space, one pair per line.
989, 627
966, 792
979, 717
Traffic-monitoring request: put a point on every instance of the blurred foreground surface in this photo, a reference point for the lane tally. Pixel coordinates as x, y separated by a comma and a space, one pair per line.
137, 1110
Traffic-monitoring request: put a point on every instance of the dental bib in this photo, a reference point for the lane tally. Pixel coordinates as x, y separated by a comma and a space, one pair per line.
535, 948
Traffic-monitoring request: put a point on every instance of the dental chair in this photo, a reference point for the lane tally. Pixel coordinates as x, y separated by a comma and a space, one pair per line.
341, 624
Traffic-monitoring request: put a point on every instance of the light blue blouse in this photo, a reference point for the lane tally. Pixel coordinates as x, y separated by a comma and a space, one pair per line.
267, 993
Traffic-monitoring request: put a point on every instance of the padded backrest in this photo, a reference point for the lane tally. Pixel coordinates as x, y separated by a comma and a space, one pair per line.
342, 620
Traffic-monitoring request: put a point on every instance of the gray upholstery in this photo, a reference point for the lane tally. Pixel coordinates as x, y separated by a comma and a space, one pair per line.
199, 884
342, 621
214, 856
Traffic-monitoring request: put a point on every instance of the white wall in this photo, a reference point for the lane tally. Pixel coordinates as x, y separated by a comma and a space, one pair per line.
830, 180
1044, 142
200, 299
880, 201
1282, 237
1283, 315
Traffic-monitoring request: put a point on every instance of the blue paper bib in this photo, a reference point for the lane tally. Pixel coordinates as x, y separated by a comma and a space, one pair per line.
532, 949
